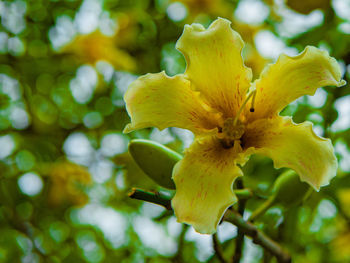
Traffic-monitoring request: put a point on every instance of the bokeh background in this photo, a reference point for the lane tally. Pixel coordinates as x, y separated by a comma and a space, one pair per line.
64, 167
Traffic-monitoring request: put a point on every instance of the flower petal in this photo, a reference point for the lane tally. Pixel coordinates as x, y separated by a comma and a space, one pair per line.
295, 146
156, 100
215, 65
292, 77
203, 180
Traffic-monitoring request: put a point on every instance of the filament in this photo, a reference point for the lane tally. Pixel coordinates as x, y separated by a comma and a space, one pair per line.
250, 95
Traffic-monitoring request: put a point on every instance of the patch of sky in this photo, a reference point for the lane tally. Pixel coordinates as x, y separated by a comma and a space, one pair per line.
154, 236
113, 144
120, 180
271, 46
185, 136
105, 69
7, 145
151, 210
173, 227
83, 85
177, 11
3, 42
15, 46
295, 23
342, 105
62, 33
326, 210
204, 244
318, 130
12, 15
323, 223
342, 150
30, 184
172, 61
343, 27
252, 253
19, 118
10, 87
163, 136
226, 231
111, 222
92, 251
251, 11
102, 171
78, 148
319, 99
89, 18
121, 80
342, 8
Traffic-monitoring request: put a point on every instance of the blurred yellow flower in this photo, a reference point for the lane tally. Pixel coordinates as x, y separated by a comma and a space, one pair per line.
344, 200
307, 6
232, 118
67, 181
251, 56
208, 7
96, 46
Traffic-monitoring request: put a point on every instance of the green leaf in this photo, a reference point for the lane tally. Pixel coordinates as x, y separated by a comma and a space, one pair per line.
156, 160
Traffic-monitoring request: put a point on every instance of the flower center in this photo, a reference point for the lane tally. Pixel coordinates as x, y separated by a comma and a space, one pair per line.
231, 131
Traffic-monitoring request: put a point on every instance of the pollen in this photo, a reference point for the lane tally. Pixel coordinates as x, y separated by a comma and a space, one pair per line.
231, 131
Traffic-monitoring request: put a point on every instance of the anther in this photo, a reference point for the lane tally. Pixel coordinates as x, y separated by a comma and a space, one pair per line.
253, 101
250, 95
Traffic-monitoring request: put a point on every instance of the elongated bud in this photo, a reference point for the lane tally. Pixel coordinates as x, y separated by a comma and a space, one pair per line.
289, 190
156, 160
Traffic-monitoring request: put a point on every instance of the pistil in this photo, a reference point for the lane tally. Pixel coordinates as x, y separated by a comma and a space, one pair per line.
233, 129
251, 94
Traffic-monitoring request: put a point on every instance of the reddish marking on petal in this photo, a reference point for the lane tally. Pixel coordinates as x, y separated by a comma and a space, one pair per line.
205, 195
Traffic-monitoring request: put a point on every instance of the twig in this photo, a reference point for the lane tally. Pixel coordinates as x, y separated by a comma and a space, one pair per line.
178, 257
218, 249
261, 209
231, 216
243, 194
152, 197
165, 201
240, 233
258, 237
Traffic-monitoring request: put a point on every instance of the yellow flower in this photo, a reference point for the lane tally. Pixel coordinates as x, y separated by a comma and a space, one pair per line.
208, 7
96, 46
307, 6
67, 181
213, 99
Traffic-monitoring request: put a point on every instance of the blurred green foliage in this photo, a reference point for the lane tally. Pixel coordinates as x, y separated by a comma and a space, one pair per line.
64, 167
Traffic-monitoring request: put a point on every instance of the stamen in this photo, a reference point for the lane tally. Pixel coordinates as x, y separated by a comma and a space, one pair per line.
251, 93
253, 101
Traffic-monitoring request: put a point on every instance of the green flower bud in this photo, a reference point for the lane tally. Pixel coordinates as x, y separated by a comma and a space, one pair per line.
156, 160
288, 190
